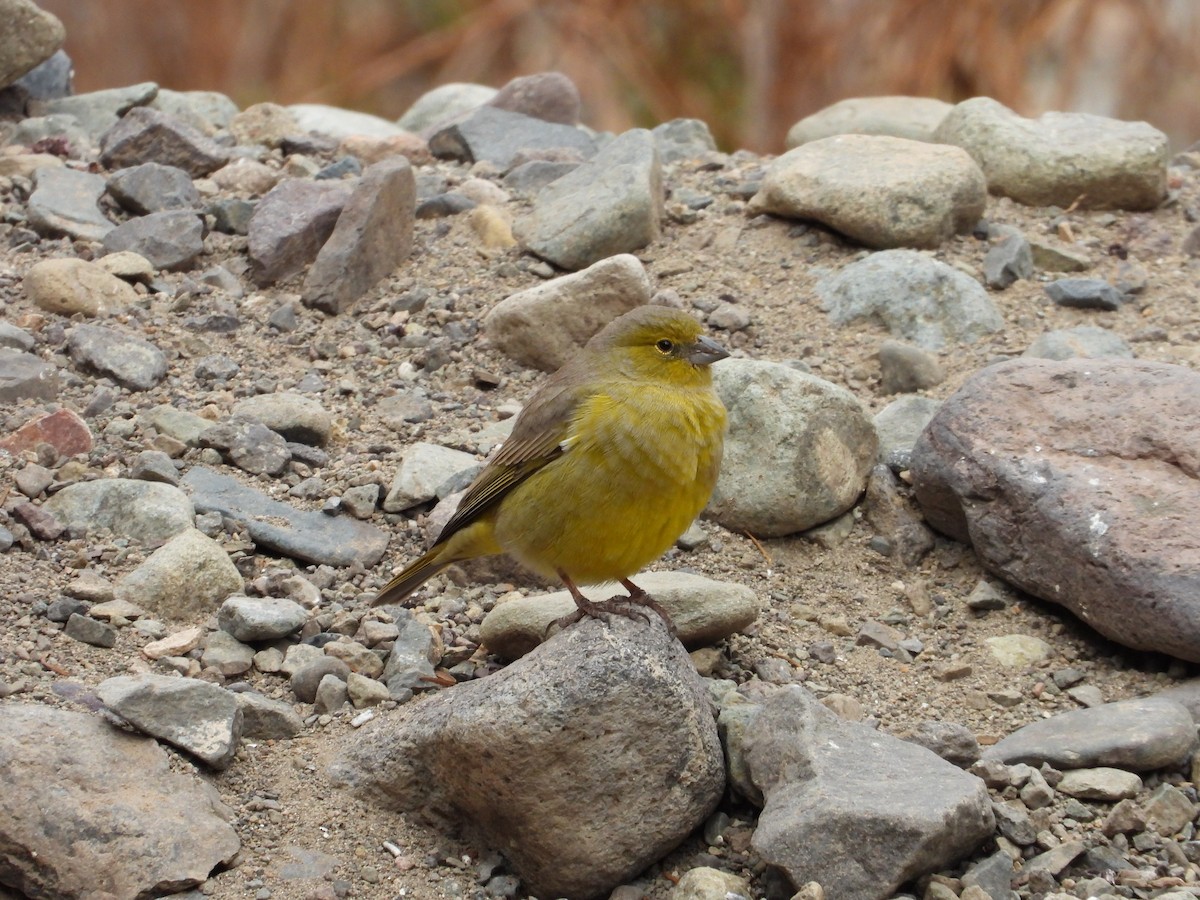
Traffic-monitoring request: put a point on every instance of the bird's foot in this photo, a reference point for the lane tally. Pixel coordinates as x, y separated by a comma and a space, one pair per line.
583, 607
639, 604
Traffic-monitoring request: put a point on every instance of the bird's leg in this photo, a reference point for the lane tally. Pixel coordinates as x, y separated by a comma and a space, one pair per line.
627, 606
583, 606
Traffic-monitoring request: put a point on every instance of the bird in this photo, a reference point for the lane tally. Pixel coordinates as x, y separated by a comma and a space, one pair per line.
612, 457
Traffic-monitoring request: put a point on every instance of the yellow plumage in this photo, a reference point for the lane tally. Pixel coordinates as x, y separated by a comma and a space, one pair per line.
608, 463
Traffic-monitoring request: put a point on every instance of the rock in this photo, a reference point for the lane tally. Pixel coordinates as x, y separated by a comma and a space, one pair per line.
611, 204
892, 516
308, 677
703, 612
295, 416
373, 235
444, 102
1143, 734
24, 376
49, 79
1000, 466
225, 654
883, 192
99, 111
128, 266
422, 470
264, 124
532, 176
410, 664
14, 338
1109, 785
260, 618
1169, 810
821, 816
206, 111
370, 150
231, 215
798, 450
178, 644
1084, 293
499, 137
290, 225
40, 521
31, 35
362, 691
264, 719
597, 705
149, 135
549, 96
154, 465
60, 129
193, 715
64, 202
133, 363
63, 430
1008, 260
1049, 257
683, 139
251, 446
339, 123
1081, 342
1061, 158
952, 742
88, 810
169, 240
905, 369
307, 535
185, 578
246, 176
179, 424
148, 513
545, 325
153, 187
1018, 651
914, 118
332, 694
915, 297
90, 631
705, 883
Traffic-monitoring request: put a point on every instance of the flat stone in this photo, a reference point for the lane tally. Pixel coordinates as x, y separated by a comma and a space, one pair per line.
302, 534
1101, 783
150, 135
914, 118
290, 225
140, 510
49, 79
24, 376
883, 192
295, 416
906, 369
225, 654
64, 202
68, 286
98, 111
499, 137
373, 235
133, 363
169, 240
1084, 293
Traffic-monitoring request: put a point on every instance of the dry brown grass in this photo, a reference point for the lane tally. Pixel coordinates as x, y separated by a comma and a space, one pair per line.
749, 68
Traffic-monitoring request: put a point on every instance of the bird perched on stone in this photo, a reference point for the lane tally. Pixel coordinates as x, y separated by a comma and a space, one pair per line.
610, 460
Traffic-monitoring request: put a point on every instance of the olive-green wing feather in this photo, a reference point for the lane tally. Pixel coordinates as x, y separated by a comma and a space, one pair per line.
535, 441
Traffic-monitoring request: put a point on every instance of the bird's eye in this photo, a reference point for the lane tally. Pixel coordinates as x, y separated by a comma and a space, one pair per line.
665, 346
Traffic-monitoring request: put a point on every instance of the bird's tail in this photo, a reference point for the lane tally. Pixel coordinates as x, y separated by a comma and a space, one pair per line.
475, 540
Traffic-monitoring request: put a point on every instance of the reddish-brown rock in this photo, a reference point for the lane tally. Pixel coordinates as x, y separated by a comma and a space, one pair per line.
63, 430
1079, 482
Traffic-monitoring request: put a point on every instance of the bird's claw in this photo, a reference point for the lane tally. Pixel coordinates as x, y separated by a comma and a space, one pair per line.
635, 606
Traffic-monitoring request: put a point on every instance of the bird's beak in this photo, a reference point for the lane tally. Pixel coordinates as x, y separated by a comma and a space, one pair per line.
704, 352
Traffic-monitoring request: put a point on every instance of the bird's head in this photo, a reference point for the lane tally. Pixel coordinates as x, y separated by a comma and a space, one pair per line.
661, 343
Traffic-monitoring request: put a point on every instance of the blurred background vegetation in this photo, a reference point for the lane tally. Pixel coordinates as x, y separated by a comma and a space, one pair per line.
749, 68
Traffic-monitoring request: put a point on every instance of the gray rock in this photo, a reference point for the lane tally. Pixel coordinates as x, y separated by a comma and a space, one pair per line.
1018, 651
1081, 342
683, 139
362, 691
49, 79
883, 192
1100, 783
893, 518
332, 694
153, 187
444, 102
1051, 257
206, 111
422, 469
597, 705
611, 204
703, 611
169, 240
231, 215
130, 361
951, 741
251, 446
98, 111
31, 35
898, 426
260, 618
68, 286
307, 535
499, 137
90, 810
148, 513
914, 296
307, 678
1012, 461
340, 123
154, 465
905, 369
914, 118
290, 225
180, 424
264, 719
413, 654
1186, 692
29, 131
14, 338
1061, 158
1084, 293
193, 715
373, 235
64, 202
1014, 823
361, 500
1143, 734
224, 653
823, 817
90, 631
149, 135
1169, 810
532, 176
993, 874
543, 326
1008, 260
24, 376
295, 416
184, 579
797, 453
548, 96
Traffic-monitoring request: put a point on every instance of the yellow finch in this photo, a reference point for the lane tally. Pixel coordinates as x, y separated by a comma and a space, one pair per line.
614, 455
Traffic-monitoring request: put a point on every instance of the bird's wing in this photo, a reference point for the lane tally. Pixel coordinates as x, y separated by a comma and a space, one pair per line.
536, 439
